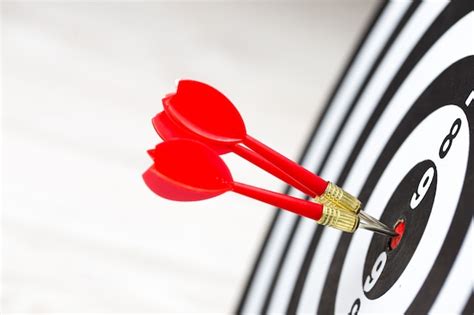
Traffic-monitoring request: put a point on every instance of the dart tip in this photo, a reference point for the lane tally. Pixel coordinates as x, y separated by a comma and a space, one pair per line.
368, 222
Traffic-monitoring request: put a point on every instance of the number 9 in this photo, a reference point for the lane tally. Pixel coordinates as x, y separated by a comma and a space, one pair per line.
377, 269
423, 187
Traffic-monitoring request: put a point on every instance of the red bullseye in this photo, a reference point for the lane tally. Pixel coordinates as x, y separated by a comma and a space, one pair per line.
400, 229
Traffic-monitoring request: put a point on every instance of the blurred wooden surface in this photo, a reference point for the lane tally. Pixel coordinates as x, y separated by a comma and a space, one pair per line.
81, 82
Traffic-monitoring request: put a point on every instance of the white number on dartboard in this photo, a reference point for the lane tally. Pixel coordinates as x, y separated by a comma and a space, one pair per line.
422, 189
448, 140
377, 269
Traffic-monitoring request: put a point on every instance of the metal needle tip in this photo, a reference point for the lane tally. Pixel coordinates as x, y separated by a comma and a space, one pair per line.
370, 223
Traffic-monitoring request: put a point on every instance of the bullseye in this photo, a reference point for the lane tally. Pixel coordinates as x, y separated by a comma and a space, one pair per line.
400, 229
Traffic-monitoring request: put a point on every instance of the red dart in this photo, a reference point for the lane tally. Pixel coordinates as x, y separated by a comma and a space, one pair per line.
208, 114
186, 170
168, 130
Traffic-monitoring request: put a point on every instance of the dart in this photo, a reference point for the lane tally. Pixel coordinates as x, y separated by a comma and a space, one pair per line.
206, 115
167, 130
177, 177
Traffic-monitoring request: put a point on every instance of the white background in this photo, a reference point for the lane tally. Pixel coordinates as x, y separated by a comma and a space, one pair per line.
81, 82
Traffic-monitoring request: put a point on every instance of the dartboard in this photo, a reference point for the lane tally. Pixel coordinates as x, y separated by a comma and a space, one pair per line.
397, 133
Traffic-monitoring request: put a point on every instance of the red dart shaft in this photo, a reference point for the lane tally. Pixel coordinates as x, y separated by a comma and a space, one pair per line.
316, 183
299, 206
261, 162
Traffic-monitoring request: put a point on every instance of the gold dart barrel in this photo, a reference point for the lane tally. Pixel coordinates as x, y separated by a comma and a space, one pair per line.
338, 218
344, 212
340, 198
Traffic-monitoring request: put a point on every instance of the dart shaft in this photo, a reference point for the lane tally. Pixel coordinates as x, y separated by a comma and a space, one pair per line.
263, 163
299, 206
308, 179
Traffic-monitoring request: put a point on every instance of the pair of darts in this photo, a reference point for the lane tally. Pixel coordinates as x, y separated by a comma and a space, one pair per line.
198, 124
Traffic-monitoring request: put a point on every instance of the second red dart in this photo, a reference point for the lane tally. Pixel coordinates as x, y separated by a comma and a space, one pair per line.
186, 170
207, 113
